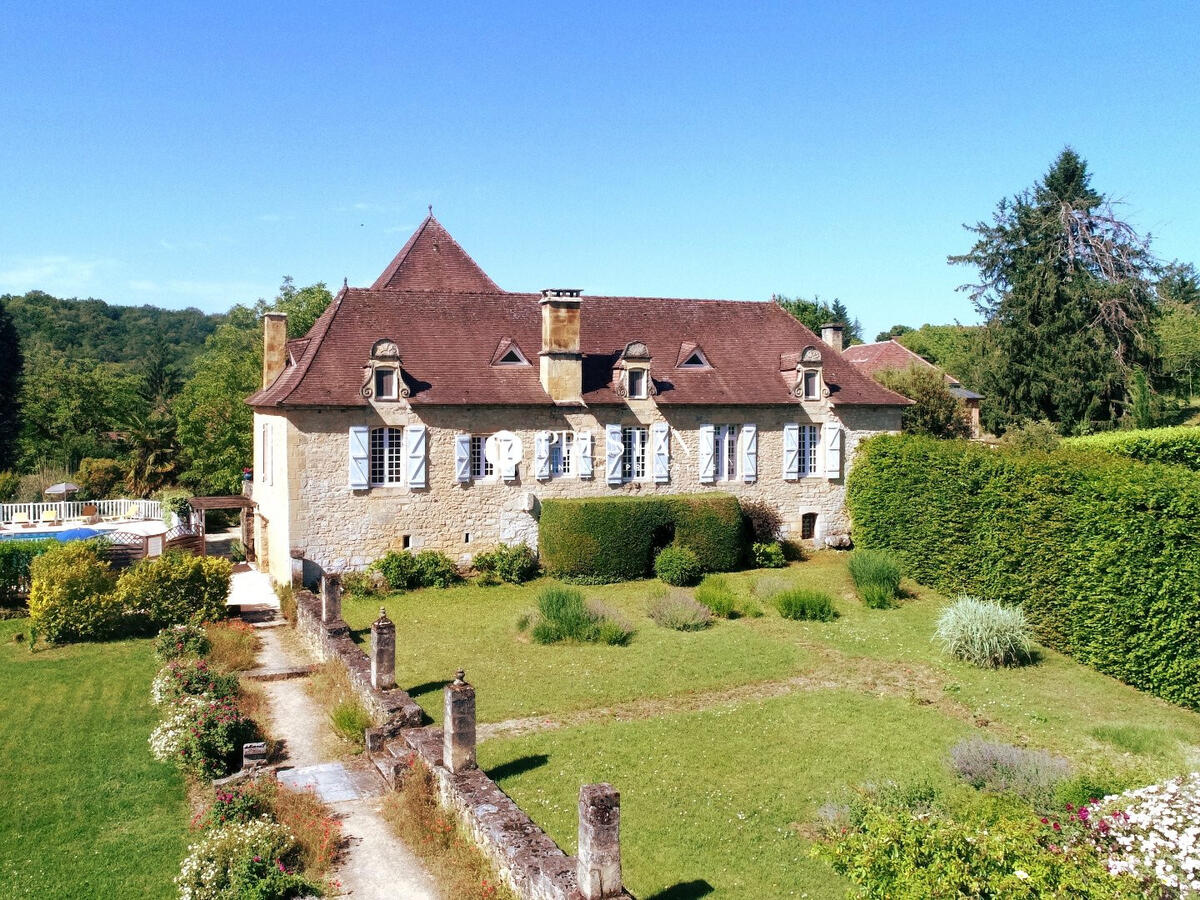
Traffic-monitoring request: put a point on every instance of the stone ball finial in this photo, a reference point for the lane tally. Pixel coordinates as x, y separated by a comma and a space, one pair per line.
382, 613
460, 677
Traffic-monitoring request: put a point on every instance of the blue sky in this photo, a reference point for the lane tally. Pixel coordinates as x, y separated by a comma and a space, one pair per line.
193, 154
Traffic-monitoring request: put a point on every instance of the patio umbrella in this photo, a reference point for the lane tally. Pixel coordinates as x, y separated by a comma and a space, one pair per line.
62, 489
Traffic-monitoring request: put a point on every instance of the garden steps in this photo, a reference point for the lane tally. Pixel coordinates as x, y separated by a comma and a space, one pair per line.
279, 673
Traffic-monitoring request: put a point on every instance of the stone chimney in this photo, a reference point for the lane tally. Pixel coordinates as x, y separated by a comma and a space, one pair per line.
274, 346
561, 364
831, 333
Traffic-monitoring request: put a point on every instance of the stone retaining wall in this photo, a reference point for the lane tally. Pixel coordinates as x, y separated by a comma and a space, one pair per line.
528, 861
392, 710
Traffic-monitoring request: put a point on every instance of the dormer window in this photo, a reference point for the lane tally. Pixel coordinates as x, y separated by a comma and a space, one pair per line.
637, 384
385, 384
692, 357
383, 380
810, 384
631, 375
508, 354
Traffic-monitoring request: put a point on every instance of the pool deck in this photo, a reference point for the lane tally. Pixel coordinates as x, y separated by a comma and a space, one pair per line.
129, 526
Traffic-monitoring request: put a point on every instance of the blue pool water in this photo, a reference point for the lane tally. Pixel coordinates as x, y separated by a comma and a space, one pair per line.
70, 534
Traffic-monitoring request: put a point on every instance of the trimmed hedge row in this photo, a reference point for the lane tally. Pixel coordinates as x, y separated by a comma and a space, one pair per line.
1180, 445
15, 557
1104, 555
615, 538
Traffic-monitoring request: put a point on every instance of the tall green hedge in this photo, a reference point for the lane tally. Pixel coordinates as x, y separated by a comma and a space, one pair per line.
1180, 446
614, 539
15, 557
1103, 553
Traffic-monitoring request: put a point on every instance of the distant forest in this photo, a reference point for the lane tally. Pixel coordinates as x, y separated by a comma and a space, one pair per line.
131, 400
94, 330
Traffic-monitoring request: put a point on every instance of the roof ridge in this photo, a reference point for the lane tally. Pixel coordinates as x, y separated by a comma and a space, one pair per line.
473, 270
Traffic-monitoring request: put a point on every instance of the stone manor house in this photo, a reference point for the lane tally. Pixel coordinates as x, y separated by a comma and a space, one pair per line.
435, 410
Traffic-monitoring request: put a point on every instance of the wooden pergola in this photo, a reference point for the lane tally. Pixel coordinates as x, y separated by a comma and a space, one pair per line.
201, 505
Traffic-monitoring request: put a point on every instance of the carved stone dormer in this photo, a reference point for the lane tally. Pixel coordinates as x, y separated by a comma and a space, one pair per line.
810, 377
383, 378
631, 374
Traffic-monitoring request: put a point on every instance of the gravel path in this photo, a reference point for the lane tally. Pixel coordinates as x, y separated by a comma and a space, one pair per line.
375, 864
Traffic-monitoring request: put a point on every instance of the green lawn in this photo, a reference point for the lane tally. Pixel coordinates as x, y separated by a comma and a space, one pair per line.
85, 811
724, 743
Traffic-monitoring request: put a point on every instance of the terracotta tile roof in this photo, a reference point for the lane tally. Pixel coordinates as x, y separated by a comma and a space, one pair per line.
448, 340
433, 261
890, 355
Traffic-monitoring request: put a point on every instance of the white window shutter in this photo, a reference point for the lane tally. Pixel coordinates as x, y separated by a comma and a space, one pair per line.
614, 449
708, 454
541, 455
360, 470
508, 458
749, 453
791, 452
583, 445
462, 458
661, 443
414, 438
833, 450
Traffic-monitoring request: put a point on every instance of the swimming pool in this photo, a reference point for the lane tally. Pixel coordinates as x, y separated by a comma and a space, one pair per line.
69, 534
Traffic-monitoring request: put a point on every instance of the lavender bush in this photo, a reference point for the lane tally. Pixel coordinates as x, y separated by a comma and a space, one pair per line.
1031, 774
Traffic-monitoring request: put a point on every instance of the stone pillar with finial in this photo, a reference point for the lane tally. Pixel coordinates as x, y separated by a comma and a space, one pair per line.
383, 652
458, 725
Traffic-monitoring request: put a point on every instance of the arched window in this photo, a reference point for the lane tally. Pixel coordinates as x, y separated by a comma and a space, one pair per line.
387, 456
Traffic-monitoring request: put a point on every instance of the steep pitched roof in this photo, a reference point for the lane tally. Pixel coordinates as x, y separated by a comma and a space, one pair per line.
432, 260
447, 341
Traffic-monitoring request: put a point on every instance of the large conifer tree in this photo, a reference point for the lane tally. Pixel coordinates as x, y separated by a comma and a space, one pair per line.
1066, 291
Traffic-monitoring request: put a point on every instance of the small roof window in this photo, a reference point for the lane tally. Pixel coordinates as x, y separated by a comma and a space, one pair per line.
692, 357
509, 354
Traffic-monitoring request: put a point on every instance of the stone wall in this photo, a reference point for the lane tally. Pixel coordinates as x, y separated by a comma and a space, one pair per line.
392, 711
341, 529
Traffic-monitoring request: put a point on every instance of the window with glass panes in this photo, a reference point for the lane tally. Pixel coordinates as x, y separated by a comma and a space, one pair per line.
810, 436
633, 460
562, 443
726, 457
480, 467
387, 456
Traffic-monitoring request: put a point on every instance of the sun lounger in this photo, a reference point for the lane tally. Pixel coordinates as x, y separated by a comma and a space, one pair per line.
132, 511
50, 517
22, 519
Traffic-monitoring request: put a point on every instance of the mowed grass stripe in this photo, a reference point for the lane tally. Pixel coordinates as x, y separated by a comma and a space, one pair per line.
85, 811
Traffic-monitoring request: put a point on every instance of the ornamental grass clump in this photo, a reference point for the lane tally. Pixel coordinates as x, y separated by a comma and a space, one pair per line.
680, 612
985, 633
563, 615
1005, 768
876, 574
717, 594
804, 603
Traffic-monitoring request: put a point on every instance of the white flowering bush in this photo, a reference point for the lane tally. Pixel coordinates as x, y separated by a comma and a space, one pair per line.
1151, 834
243, 859
167, 739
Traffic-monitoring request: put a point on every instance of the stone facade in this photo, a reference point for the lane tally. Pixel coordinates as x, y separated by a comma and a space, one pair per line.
305, 503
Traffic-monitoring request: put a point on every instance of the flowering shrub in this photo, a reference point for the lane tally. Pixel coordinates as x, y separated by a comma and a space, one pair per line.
1151, 834
243, 860
191, 678
241, 803
181, 640
202, 736
889, 850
